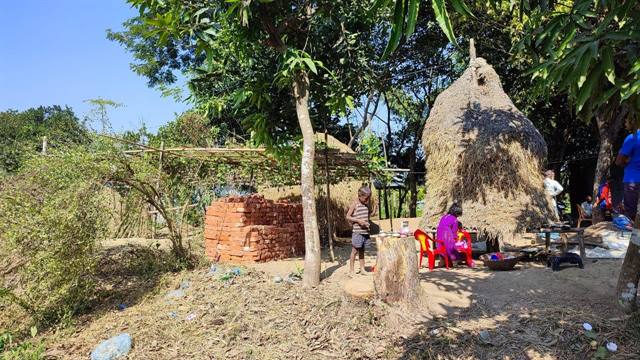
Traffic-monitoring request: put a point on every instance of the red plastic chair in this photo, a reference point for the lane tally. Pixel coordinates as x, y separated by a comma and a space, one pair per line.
468, 251
437, 248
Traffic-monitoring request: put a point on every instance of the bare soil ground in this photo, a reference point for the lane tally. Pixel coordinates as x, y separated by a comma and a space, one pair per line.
528, 313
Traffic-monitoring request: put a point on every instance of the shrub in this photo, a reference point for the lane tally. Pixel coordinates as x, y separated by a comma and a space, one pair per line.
52, 215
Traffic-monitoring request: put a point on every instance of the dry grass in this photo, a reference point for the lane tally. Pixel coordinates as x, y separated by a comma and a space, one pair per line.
485, 154
247, 317
251, 317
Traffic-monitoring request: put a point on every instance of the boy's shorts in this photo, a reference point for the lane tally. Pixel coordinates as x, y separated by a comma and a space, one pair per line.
360, 240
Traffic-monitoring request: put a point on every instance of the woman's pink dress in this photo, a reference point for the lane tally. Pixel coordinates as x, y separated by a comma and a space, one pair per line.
447, 230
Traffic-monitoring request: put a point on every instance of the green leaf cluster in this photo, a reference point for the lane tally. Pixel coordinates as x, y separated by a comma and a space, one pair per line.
53, 215
590, 50
22, 132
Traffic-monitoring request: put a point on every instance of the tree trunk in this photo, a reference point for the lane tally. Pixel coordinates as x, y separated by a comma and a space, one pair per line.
396, 276
367, 118
413, 182
386, 201
401, 198
627, 288
311, 235
609, 125
328, 197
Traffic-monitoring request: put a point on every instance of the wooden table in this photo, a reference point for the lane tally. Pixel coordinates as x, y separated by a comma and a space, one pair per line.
547, 237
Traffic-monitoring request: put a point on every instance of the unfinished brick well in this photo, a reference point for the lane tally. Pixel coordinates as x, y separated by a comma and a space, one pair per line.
253, 229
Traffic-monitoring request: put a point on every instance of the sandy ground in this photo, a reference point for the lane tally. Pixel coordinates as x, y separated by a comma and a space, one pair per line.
528, 313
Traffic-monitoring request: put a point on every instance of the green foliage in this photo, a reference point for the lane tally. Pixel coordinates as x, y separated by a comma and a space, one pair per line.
371, 151
23, 351
53, 215
589, 49
21, 133
99, 112
240, 59
586, 48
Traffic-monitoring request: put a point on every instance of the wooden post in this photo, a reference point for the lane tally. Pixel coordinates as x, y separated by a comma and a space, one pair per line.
396, 276
391, 210
328, 197
155, 215
472, 49
44, 145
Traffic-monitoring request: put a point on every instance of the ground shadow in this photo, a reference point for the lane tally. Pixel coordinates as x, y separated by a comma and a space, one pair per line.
527, 313
127, 273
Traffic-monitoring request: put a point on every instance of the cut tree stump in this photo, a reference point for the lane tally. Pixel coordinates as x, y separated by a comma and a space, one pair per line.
396, 274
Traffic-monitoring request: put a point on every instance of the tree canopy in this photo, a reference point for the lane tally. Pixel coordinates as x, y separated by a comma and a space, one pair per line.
22, 132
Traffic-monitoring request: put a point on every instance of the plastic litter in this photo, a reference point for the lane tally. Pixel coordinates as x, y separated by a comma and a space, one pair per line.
121, 307
230, 274
485, 337
191, 317
277, 279
172, 315
611, 346
184, 284
175, 294
587, 326
114, 348
622, 222
213, 269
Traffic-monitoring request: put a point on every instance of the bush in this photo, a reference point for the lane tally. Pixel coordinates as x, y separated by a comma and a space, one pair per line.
20, 351
52, 215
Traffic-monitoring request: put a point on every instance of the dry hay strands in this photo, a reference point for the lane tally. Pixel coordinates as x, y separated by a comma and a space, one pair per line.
485, 154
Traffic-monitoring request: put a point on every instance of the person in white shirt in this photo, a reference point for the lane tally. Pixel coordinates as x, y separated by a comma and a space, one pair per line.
553, 188
587, 206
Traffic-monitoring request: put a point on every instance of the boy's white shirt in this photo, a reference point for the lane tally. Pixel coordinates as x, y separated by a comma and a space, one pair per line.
553, 187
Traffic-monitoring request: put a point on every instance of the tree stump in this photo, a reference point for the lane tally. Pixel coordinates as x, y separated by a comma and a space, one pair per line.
396, 275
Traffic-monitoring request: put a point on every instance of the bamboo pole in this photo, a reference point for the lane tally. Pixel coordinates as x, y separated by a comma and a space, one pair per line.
328, 197
155, 215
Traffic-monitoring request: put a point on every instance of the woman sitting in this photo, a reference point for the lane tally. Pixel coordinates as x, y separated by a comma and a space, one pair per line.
448, 232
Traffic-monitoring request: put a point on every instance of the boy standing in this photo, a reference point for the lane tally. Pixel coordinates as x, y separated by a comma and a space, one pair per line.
358, 214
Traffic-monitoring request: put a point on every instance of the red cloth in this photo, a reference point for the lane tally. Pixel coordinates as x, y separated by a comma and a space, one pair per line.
605, 195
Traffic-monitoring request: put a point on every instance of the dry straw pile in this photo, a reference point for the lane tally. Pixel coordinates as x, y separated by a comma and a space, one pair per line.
485, 154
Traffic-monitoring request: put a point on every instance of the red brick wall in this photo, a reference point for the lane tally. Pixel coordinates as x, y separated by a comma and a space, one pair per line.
250, 229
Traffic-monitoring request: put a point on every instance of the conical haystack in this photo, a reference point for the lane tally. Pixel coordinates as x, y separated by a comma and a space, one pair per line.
484, 153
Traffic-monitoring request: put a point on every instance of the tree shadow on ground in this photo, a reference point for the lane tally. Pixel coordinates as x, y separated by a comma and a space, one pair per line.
128, 273
342, 251
480, 314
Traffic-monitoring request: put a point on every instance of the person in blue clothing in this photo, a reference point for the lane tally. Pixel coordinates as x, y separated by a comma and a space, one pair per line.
629, 158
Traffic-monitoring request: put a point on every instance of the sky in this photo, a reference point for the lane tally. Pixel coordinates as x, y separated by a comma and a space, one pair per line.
55, 52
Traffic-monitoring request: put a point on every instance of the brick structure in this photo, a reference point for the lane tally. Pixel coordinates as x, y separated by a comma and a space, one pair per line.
252, 229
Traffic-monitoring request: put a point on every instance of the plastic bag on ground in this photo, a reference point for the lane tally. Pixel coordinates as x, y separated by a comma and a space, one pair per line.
114, 348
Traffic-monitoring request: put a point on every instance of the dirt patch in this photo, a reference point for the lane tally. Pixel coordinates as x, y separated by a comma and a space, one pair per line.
528, 313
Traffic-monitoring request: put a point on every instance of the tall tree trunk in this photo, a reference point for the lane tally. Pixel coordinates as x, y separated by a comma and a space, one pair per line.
609, 125
366, 119
311, 235
603, 163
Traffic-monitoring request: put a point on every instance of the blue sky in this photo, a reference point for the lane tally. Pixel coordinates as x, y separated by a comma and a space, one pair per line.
55, 52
